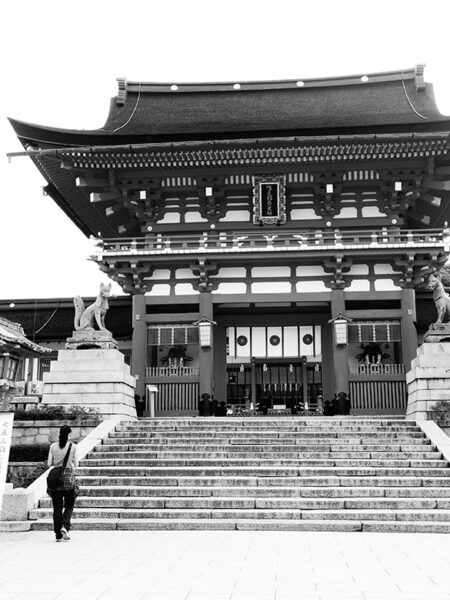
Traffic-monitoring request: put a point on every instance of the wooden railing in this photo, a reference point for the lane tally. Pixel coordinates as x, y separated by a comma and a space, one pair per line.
383, 369
275, 241
177, 371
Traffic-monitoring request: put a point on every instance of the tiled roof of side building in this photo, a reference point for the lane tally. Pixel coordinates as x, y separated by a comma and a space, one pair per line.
151, 112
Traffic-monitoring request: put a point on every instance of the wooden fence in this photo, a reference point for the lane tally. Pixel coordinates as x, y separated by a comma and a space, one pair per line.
389, 396
177, 398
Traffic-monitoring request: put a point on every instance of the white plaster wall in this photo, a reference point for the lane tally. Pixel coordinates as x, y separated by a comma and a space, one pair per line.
269, 287
160, 274
170, 217
309, 271
230, 288
184, 274
184, 288
194, 216
225, 272
236, 215
347, 212
372, 211
385, 285
299, 214
359, 285
159, 289
383, 268
359, 270
271, 272
311, 286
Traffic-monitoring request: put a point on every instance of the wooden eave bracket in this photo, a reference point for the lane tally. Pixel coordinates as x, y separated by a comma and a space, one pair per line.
337, 266
203, 269
416, 266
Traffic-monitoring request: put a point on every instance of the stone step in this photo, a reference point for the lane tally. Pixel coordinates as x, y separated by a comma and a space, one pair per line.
268, 422
279, 481
257, 427
260, 437
276, 421
205, 524
221, 502
263, 471
399, 455
253, 525
259, 446
239, 462
311, 448
258, 491
326, 515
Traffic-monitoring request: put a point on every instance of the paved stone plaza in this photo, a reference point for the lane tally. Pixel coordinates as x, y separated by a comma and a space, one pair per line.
223, 565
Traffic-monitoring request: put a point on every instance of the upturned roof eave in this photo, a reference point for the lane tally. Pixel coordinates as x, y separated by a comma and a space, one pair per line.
63, 140
41, 137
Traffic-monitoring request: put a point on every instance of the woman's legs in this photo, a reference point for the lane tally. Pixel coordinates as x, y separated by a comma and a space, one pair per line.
69, 502
57, 500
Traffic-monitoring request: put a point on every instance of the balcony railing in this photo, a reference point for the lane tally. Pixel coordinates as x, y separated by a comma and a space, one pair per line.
271, 241
172, 371
387, 369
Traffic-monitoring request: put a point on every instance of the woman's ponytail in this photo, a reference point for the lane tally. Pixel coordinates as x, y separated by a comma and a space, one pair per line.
63, 435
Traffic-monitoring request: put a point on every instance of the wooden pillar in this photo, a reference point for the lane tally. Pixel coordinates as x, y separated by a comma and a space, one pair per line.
340, 353
220, 362
253, 383
409, 332
206, 355
139, 343
328, 388
304, 381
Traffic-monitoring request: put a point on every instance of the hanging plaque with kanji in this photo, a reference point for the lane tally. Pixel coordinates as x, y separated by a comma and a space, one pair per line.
269, 201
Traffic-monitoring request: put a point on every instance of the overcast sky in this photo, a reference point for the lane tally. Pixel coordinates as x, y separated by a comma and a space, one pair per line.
60, 61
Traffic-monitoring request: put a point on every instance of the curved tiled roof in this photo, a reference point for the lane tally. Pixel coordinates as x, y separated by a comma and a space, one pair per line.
156, 112
168, 126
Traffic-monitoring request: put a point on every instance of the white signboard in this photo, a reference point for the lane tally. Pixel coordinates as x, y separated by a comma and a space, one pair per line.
6, 425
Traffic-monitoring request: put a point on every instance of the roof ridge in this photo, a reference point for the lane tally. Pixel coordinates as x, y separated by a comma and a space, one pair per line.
125, 86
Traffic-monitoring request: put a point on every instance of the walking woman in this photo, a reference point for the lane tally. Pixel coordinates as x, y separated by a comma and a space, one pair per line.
63, 497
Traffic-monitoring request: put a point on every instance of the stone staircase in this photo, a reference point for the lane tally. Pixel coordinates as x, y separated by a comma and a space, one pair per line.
329, 474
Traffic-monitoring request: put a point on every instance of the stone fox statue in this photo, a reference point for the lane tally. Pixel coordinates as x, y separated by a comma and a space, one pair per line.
441, 299
85, 318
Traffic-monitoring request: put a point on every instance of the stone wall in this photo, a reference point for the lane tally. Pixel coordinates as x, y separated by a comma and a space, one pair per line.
21, 474
46, 432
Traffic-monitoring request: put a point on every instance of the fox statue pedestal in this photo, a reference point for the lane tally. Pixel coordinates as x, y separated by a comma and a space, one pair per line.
428, 380
91, 377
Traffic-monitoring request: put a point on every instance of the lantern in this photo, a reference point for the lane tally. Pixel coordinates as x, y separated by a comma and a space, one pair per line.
340, 326
205, 331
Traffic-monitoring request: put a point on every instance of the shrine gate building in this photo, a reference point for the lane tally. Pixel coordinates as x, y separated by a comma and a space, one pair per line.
271, 233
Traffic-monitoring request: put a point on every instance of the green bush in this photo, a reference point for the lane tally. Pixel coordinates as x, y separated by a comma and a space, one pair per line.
441, 410
46, 412
28, 453
445, 276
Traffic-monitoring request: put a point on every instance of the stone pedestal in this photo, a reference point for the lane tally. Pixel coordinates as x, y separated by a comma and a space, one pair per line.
428, 380
96, 378
91, 338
